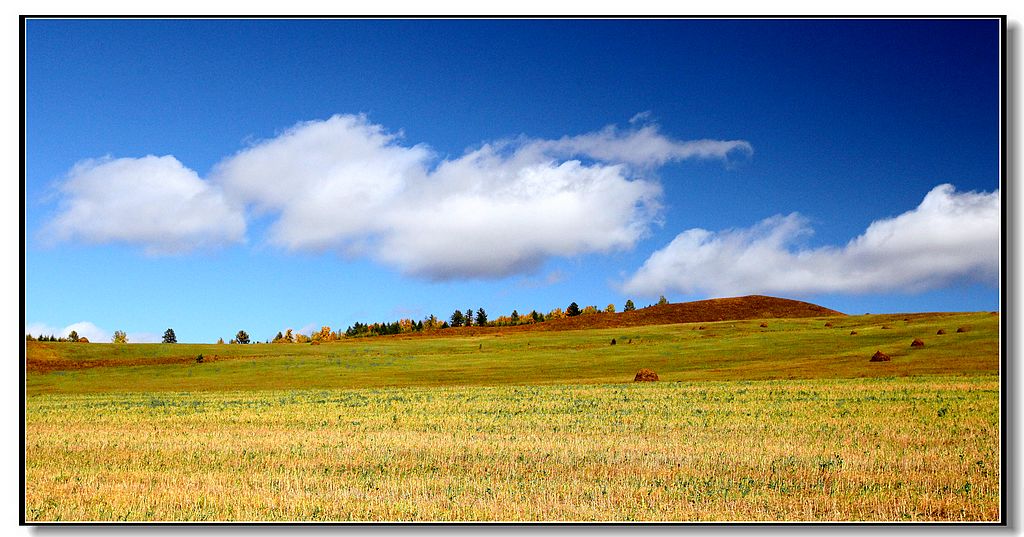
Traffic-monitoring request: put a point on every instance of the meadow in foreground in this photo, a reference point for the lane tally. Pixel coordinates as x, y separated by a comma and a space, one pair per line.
863, 449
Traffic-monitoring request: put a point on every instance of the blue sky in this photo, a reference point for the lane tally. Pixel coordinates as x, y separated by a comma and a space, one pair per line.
219, 175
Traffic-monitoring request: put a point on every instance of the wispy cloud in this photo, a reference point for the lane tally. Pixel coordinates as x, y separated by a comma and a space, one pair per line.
644, 146
950, 235
84, 328
93, 333
348, 185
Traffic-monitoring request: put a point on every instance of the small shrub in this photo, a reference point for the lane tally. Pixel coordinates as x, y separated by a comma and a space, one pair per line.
199, 359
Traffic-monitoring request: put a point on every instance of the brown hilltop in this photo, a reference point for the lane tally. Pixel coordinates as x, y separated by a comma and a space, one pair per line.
701, 311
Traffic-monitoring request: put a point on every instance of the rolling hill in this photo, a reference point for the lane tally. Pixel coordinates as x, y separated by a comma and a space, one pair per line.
701, 311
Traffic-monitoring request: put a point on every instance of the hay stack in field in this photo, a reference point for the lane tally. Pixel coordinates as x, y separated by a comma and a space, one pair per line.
645, 375
853, 332
828, 325
917, 343
961, 330
764, 325
940, 332
880, 357
613, 341
886, 327
83, 340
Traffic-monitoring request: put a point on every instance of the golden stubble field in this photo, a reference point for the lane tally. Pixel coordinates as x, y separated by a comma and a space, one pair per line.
892, 449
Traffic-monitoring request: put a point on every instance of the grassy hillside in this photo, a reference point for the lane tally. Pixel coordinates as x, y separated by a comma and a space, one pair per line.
789, 421
727, 350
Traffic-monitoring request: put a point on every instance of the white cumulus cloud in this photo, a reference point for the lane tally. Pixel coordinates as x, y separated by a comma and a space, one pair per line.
155, 202
348, 185
950, 235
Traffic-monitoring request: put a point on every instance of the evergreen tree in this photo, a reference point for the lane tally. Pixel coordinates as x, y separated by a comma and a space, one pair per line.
481, 317
469, 317
662, 300
629, 306
515, 317
457, 319
573, 310
242, 338
169, 336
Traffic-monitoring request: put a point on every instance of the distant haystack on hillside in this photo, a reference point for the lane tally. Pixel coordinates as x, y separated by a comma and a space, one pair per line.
880, 356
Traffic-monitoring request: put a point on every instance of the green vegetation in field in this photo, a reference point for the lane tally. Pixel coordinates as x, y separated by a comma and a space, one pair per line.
855, 449
728, 350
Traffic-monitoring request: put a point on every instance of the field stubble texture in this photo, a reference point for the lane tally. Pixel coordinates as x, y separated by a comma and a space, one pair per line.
820, 449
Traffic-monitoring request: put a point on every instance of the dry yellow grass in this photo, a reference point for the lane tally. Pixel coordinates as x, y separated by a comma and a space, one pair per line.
863, 449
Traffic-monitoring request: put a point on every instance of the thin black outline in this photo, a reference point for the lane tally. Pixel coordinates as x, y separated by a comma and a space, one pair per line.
1004, 185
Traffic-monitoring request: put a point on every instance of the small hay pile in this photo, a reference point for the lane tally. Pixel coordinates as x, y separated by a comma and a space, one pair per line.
880, 357
645, 375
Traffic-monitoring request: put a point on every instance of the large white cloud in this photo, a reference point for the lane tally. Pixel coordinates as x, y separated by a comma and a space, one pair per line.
348, 185
155, 202
950, 235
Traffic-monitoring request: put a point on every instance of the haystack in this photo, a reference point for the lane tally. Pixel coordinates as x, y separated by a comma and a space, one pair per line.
853, 332
940, 332
764, 325
613, 341
961, 330
880, 357
917, 343
828, 325
645, 375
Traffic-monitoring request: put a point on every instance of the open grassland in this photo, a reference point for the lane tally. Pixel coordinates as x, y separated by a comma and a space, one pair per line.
858, 449
726, 350
785, 422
